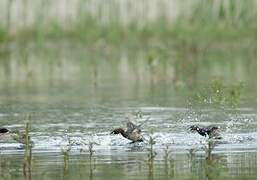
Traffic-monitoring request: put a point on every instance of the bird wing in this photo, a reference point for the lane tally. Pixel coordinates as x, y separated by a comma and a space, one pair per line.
145, 121
131, 127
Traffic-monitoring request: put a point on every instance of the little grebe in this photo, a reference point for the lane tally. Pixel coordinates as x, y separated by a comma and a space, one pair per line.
132, 133
211, 132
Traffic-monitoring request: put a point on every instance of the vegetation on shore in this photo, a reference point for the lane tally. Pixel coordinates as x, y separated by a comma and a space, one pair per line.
212, 23
214, 39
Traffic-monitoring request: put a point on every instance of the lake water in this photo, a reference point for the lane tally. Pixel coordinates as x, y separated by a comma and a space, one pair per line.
77, 97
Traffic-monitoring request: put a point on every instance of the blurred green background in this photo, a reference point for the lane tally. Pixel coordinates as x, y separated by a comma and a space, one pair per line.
147, 42
77, 66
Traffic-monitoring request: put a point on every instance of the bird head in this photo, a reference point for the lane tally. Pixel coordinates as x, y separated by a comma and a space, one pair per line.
193, 128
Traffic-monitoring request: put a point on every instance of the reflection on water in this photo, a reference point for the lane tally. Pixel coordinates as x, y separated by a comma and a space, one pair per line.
133, 166
133, 70
75, 98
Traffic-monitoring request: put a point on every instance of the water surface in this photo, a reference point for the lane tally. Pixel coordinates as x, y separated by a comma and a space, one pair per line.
75, 103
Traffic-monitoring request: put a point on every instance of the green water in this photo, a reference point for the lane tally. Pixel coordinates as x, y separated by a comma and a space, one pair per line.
80, 94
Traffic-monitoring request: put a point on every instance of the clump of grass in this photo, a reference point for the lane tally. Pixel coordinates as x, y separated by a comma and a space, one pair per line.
169, 163
66, 155
151, 151
210, 162
217, 93
209, 148
226, 13
192, 158
27, 164
235, 93
212, 169
90, 149
151, 156
91, 163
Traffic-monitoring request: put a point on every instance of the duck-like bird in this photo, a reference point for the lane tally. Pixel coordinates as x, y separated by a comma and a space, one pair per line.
211, 131
133, 132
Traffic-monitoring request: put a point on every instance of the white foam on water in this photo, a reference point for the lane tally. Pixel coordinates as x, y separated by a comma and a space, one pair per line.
104, 142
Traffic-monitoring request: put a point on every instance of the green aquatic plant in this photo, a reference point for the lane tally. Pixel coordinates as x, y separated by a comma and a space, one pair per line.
168, 163
235, 93
217, 93
27, 164
151, 156
210, 162
91, 163
213, 170
90, 148
66, 156
192, 160
21, 137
